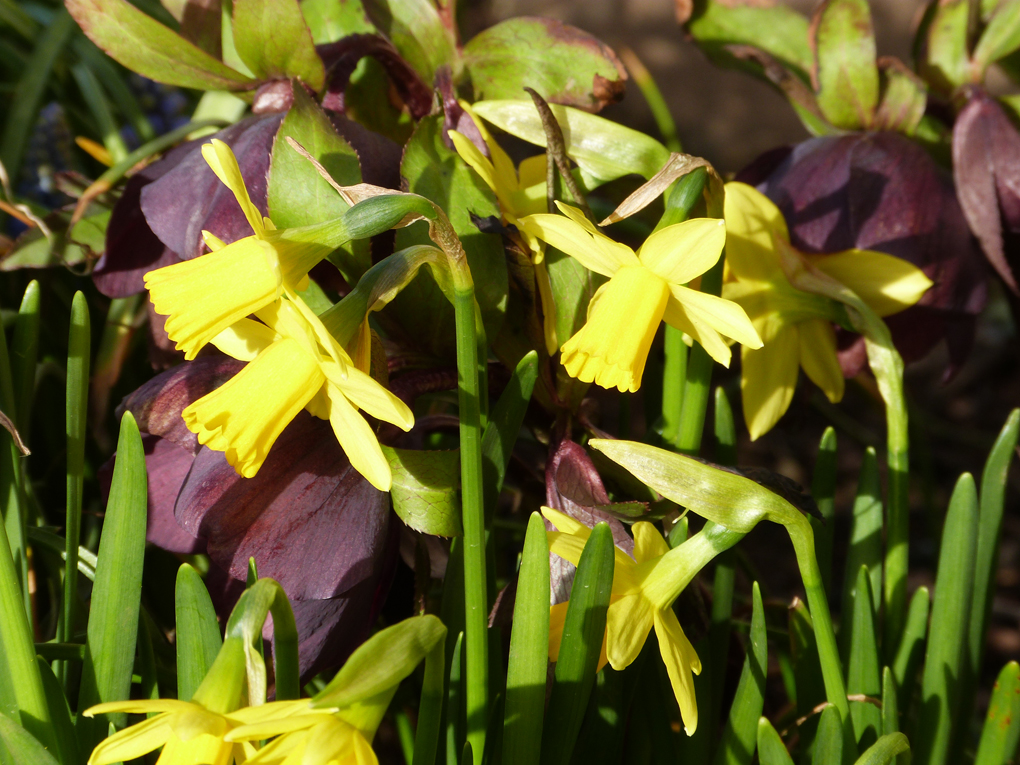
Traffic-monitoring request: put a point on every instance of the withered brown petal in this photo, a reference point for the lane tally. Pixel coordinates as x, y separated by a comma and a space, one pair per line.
309, 519
190, 198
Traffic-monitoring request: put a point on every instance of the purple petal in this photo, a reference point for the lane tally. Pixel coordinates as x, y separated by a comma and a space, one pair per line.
190, 197
309, 519
158, 404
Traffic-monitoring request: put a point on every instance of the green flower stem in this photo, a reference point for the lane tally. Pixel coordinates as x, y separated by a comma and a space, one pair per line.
473, 508
699, 378
674, 373
802, 537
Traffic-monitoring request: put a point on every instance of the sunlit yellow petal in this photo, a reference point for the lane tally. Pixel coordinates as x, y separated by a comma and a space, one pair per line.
557, 617
818, 357
724, 316
205, 749
330, 741
767, 380
680, 252
138, 706
680, 659
132, 742
568, 236
221, 159
276, 726
285, 750
886, 283
567, 546
476, 161
615, 250
358, 441
272, 710
204, 296
563, 522
677, 316
365, 393
612, 347
648, 542
628, 621
753, 223
548, 307
531, 174
213, 242
245, 339
243, 417
196, 721
502, 163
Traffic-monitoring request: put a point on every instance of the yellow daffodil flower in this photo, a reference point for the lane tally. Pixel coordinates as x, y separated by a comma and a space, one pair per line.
294, 364
797, 326
643, 591
644, 288
520, 192
311, 736
205, 295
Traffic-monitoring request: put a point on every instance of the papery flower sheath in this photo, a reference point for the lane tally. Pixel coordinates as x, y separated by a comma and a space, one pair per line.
520, 192
294, 364
204, 296
641, 600
644, 288
797, 326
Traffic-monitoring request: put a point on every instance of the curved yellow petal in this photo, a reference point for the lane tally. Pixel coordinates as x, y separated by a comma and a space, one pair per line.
886, 283
753, 223
244, 416
132, 742
212, 241
206, 749
724, 316
612, 347
330, 741
476, 161
548, 305
818, 357
677, 316
196, 721
567, 546
648, 542
767, 380
276, 726
245, 339
628, 622
358, 441
681, 660
557, 617
204, 296
578, 242
680, 252
222, 161
365, 393
563, 522
501, 162
531, 174
138, 706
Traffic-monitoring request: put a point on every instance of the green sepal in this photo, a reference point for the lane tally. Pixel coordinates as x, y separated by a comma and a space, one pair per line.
844, 73
904, 98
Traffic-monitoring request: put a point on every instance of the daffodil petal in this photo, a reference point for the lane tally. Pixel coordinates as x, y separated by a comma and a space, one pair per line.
222, 161
365, 393
724, 316
138, 706
132, 742
531, 173
648, 542
557, 617
628, 621
563, 522
285, 750
206, 749
358, 441
475, 159
501, 162
545, 295
886, 283
681, 660
272, 710
677, 316
767, 380
680, 252
753, 223
244, 416
576, 241
276, 726
818, 357
331, 740
245, 339
213, 242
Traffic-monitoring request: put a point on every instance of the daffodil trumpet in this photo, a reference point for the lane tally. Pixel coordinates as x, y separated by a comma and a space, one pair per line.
644, 288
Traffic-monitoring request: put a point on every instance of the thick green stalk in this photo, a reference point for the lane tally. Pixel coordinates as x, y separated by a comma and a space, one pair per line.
674, 372
699, 378
473, 509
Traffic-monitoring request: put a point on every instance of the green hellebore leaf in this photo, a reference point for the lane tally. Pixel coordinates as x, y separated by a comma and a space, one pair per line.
145, 46
424, 36
844, 73
725, 498
779, 31
944, 63
425, 489
439, 174
86, 240
297, 194
272, 40
602, 149
329, 20
564, 64
382, 661
1000, 38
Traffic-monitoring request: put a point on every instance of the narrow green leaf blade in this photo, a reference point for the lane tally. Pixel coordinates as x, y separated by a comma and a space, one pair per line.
24, 350
113, 617
865, 542
271, 38
885, 750
771, 749
1001, 733
455, 702
60, 715
504, 425
529, 651
198, 632
430, 709
22, 746
949, 620
741, 732
911, 649
863, 667
829, 739
1000, 38
890, 705
583, 632
845, 74
823, 490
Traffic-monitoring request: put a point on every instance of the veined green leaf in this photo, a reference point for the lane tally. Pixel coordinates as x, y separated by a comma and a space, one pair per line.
602, 149
198, 632
583, 633
771, 749
329, 20
845, 74
904, 98
425, 489
529, 652
741, 733
271, 38
418, 31
862, 676
113, 616
1001, 733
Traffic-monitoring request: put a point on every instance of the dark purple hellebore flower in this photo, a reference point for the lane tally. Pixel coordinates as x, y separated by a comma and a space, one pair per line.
308, 518
881, 191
